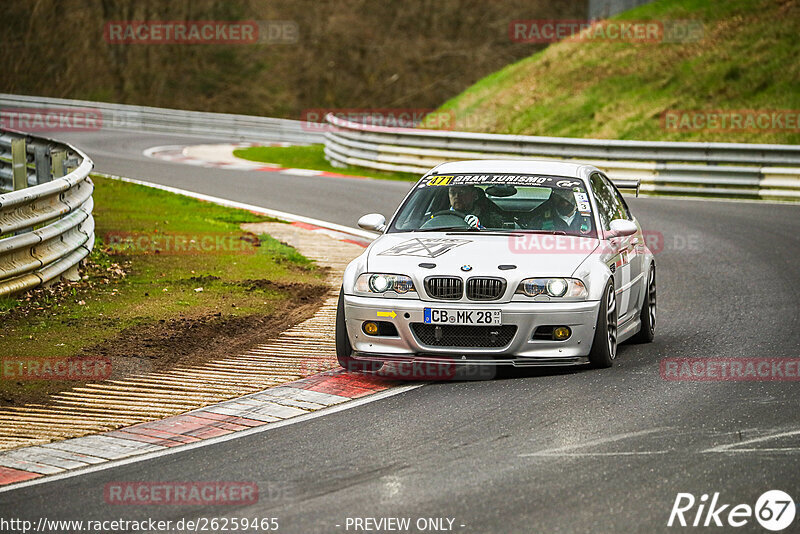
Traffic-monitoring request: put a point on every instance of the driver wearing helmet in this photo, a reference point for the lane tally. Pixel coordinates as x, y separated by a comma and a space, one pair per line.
470, 201
559, 213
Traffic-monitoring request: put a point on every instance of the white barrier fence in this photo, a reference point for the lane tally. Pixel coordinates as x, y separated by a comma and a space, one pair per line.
704, 169
741, 170
149, 119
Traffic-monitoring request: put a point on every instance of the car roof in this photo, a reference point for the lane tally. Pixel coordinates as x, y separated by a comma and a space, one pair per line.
502, 166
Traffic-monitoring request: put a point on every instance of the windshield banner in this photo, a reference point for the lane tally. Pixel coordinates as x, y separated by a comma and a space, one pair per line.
498, 179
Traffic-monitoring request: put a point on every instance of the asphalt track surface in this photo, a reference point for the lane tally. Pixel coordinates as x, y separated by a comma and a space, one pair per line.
328, 199
529, 451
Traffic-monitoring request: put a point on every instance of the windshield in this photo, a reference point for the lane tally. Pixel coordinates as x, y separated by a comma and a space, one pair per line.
497, 203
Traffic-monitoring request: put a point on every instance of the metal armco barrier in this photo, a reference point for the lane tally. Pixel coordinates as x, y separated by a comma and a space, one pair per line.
46, 224
705, 169
150, 119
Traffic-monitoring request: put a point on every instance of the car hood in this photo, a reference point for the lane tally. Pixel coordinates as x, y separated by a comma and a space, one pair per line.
532, 254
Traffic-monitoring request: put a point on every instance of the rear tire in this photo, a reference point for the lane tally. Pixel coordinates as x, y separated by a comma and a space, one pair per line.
344, 350
648, 313
604, 345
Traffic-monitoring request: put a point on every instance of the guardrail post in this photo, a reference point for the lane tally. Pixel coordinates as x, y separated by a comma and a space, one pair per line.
19, 164
57, 159
72, 274
71, 163
41, 156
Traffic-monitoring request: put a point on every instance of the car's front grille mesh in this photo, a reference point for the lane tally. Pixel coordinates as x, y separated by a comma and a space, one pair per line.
464, 336
444, 287
485, 288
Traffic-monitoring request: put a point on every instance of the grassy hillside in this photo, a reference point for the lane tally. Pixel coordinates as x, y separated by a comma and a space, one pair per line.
747, 60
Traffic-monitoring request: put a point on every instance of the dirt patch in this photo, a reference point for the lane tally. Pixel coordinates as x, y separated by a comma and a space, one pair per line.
188, 341
302, 292
185, 341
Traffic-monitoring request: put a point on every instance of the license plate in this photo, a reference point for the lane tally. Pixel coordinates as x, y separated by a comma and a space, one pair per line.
464, 317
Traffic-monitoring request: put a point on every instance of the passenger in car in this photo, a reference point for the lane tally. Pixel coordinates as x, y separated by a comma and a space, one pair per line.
559, 213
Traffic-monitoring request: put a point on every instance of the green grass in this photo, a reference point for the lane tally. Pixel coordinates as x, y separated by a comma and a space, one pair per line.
156, 287
747, 60
312, 157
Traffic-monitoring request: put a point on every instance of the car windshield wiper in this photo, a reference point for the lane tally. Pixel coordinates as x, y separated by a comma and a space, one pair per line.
449, 229
495, 231
557, 232
486, 231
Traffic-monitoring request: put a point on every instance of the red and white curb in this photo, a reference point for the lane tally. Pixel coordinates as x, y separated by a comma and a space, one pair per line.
271, 408
341, 236
221, 157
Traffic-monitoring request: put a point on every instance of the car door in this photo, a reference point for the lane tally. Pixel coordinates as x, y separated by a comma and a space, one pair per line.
630, 249
616, 248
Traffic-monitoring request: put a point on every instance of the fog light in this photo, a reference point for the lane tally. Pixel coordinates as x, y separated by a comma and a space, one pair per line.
371, 328
561, 333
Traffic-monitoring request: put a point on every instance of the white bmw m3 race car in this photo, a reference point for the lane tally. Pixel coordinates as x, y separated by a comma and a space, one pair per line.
519, 263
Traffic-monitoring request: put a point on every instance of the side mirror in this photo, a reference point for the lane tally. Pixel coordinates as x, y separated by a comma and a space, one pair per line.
623, 227
374, 221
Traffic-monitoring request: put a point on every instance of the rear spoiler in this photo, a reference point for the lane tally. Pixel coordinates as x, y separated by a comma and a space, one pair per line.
628, 184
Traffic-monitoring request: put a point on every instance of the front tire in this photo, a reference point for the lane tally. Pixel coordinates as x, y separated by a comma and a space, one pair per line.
604, 345
648, 313
344, 350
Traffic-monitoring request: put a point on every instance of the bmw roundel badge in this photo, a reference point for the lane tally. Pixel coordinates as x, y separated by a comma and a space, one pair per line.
466, 268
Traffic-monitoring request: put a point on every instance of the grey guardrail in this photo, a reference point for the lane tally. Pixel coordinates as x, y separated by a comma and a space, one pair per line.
46, 224
152, 119
707, 169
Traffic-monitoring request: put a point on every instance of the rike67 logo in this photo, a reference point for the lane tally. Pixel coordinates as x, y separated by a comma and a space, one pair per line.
774, 510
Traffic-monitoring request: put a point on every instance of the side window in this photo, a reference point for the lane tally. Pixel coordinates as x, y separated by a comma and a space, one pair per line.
621, 208
605, 201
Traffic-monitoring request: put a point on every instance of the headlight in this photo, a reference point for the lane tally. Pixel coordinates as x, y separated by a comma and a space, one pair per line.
556, 287
378, 283
571, 288
381, 283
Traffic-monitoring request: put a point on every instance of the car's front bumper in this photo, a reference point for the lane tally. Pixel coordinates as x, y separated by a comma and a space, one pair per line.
521, 351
